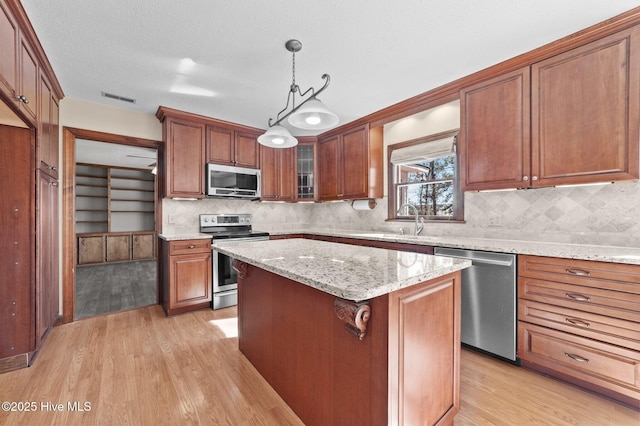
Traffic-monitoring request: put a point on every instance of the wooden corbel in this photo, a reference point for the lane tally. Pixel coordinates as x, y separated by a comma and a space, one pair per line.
240, 267
355, 316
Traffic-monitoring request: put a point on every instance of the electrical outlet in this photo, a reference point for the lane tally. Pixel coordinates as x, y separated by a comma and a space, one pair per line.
495, 220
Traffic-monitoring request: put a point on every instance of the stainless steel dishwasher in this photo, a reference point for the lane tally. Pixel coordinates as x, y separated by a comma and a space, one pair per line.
488, 301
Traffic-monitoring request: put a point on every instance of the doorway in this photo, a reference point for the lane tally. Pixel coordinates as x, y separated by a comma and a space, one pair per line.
111, 211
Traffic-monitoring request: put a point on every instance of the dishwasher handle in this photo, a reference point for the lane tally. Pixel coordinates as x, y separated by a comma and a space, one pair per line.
478, 260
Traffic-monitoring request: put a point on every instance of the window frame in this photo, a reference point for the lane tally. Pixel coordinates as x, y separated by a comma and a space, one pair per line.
458, 203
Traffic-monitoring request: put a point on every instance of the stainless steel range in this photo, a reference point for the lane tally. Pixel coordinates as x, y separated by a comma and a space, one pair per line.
227, 228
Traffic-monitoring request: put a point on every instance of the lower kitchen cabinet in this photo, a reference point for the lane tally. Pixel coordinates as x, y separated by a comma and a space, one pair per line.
580, 321
115, 247
91, 249
17, 292
143, 246
186, 275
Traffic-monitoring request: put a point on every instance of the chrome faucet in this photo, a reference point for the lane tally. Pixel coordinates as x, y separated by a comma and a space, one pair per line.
418, 226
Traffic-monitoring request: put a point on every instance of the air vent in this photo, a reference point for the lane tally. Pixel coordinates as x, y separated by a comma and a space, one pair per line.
118, 98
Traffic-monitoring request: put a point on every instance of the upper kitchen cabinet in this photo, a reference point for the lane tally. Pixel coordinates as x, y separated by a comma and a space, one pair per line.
232, 147
184, 149
495, 142
191, 141
350, 164
570, 119
21, 64
27, 94
586, 114
9, 37
277, 171
48, 129
306, 171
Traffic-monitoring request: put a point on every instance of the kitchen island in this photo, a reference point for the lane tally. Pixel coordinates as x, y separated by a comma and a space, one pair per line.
349, 334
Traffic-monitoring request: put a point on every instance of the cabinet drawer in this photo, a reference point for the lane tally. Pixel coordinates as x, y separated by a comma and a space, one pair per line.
606, 329
613, 276
600, 301
608, 366
189, 246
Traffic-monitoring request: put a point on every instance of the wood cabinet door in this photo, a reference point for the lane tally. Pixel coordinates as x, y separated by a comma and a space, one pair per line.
429, 313
16, 239
54, 140
118, 248
45, 125
28, 80
9, 48
47, 299
90, 249
220, 145
143, 246
190, 280
354, 164
305, 178
286, 187
495, 143
185, 160
269, 173
586, 114
329, 185
247, 152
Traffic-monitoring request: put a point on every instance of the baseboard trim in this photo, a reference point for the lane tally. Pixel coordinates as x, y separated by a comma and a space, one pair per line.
15, 362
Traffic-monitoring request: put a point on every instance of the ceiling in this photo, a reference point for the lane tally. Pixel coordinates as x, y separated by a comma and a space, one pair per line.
101, 153
231, 52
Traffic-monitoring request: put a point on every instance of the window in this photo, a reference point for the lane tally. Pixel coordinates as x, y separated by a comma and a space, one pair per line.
424, 173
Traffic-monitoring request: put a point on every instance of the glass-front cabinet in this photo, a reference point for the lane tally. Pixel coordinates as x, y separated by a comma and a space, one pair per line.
306, 172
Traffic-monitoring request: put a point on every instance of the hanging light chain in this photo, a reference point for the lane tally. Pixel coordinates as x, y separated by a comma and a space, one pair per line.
294, 86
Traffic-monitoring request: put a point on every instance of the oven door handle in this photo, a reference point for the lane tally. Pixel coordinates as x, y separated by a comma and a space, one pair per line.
235, 240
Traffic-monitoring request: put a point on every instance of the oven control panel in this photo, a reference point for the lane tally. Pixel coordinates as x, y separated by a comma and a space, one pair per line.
207, 220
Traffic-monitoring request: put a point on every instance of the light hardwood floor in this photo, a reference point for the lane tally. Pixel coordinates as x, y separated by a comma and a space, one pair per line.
139, 367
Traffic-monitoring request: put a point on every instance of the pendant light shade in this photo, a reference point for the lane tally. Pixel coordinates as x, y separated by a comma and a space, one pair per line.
313, 115
277, 137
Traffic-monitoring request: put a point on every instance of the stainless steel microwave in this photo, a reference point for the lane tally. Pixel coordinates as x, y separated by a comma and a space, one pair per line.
232, 182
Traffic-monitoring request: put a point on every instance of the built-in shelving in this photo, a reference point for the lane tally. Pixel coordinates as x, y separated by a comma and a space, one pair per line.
112, 199
114, 204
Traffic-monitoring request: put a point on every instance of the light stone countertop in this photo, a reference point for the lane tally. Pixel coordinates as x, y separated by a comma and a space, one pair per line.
350, 272
612, 254
179, 237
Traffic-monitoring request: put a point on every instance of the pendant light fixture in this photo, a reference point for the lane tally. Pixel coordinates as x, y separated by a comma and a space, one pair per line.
310, 114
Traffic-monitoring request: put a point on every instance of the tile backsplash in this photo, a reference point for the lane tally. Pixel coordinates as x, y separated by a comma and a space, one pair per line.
602, 215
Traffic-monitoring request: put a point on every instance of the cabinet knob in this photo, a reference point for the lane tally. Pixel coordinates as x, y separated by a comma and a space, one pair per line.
53, 168
525, 177
191, 246
54, 183
534, 178
23, 99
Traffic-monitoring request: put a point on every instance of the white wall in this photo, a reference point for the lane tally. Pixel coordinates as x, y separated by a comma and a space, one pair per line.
109, 119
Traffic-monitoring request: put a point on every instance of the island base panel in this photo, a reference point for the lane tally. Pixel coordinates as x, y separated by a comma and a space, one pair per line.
292, 335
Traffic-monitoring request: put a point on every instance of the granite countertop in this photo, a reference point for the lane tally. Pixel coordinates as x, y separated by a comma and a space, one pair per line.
612, 254
350, 272
189, 236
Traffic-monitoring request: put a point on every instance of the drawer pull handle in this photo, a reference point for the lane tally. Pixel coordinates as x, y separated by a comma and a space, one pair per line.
576, 357
191, 246
578, 272
578, 297
576, 321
